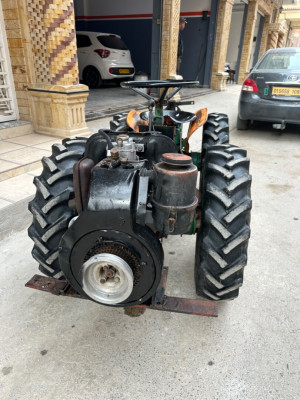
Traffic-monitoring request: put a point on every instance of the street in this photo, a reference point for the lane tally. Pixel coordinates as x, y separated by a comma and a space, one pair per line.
56, 348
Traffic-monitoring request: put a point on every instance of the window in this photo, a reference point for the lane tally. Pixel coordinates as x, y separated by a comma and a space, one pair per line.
281, 61
83, 41
113, 42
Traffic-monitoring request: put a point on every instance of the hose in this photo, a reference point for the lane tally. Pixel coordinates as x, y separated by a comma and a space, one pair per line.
107, 138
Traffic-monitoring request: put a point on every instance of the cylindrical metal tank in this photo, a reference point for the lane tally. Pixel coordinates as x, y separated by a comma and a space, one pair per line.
174, 199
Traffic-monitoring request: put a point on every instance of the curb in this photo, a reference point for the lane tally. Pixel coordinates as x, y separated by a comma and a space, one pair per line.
14, 218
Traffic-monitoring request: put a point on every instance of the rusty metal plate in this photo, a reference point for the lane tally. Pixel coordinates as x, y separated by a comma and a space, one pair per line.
159, 301
53, 286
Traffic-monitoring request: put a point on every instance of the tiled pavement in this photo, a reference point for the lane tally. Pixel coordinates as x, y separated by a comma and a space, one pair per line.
20, 161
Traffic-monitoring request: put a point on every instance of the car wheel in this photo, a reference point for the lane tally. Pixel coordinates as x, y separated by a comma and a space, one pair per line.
50, 207
222, 240
92, 78
242, 124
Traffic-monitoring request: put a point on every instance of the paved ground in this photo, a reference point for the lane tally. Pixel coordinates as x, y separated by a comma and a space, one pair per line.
66, 349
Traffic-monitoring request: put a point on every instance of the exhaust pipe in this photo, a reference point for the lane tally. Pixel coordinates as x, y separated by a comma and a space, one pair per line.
279, 126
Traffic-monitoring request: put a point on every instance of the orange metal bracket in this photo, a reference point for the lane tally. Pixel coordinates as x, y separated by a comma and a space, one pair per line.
134, 120
201, 118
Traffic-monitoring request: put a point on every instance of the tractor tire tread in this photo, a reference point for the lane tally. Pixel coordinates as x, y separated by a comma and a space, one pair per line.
50, 209
222, 241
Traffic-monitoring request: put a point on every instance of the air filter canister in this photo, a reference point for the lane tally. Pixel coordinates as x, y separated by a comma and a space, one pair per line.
174, 200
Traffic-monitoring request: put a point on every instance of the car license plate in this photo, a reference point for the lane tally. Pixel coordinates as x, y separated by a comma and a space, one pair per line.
124, 71
285, 91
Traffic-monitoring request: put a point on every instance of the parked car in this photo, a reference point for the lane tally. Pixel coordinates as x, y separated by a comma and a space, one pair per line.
101, 57
272, 90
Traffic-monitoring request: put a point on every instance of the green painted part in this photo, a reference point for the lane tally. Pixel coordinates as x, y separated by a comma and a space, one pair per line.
193, 227
266, 91
196, 159
178, 135
159, 111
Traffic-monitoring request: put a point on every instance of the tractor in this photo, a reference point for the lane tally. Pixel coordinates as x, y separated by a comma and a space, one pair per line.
104, 204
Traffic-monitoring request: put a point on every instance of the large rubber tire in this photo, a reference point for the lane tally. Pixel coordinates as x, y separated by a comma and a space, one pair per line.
50, 210
242, 124
222, 241
215, 130
92, 77
118, 123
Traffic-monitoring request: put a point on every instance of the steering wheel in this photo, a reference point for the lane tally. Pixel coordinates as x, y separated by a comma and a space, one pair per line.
170, 83
166, 85
136, 86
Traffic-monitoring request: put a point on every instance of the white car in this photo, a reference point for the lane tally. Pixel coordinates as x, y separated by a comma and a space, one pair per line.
102, 56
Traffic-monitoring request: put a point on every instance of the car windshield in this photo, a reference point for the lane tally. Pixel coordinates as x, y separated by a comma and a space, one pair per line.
288, 60
113, 42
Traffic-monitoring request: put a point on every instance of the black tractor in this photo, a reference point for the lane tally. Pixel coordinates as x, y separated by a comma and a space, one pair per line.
104, 204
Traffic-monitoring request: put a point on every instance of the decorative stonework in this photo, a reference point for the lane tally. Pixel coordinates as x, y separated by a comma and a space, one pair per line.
61, 41
43, 52
279, 27
35, 10
59, 110
221, 80
272, 40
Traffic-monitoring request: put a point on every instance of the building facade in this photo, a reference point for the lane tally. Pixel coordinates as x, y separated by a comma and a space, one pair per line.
38, 59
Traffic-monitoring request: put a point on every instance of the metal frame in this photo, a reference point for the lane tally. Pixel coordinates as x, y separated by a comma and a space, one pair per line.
159, 301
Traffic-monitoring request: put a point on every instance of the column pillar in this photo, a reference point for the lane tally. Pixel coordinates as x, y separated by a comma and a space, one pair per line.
58, 103
219, 77
272, 40
59, 22
169, 38
280, 42
248, 40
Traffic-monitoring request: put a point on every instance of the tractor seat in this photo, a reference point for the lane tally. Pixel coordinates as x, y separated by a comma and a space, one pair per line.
179, 117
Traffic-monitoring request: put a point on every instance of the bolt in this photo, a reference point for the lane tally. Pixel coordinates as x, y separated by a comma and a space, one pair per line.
114, 154
117, 279
103, 279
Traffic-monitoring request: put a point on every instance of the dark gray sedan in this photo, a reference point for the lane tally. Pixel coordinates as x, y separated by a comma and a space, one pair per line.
272, 90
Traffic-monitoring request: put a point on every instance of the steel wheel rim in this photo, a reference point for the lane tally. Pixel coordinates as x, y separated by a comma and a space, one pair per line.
113, 289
